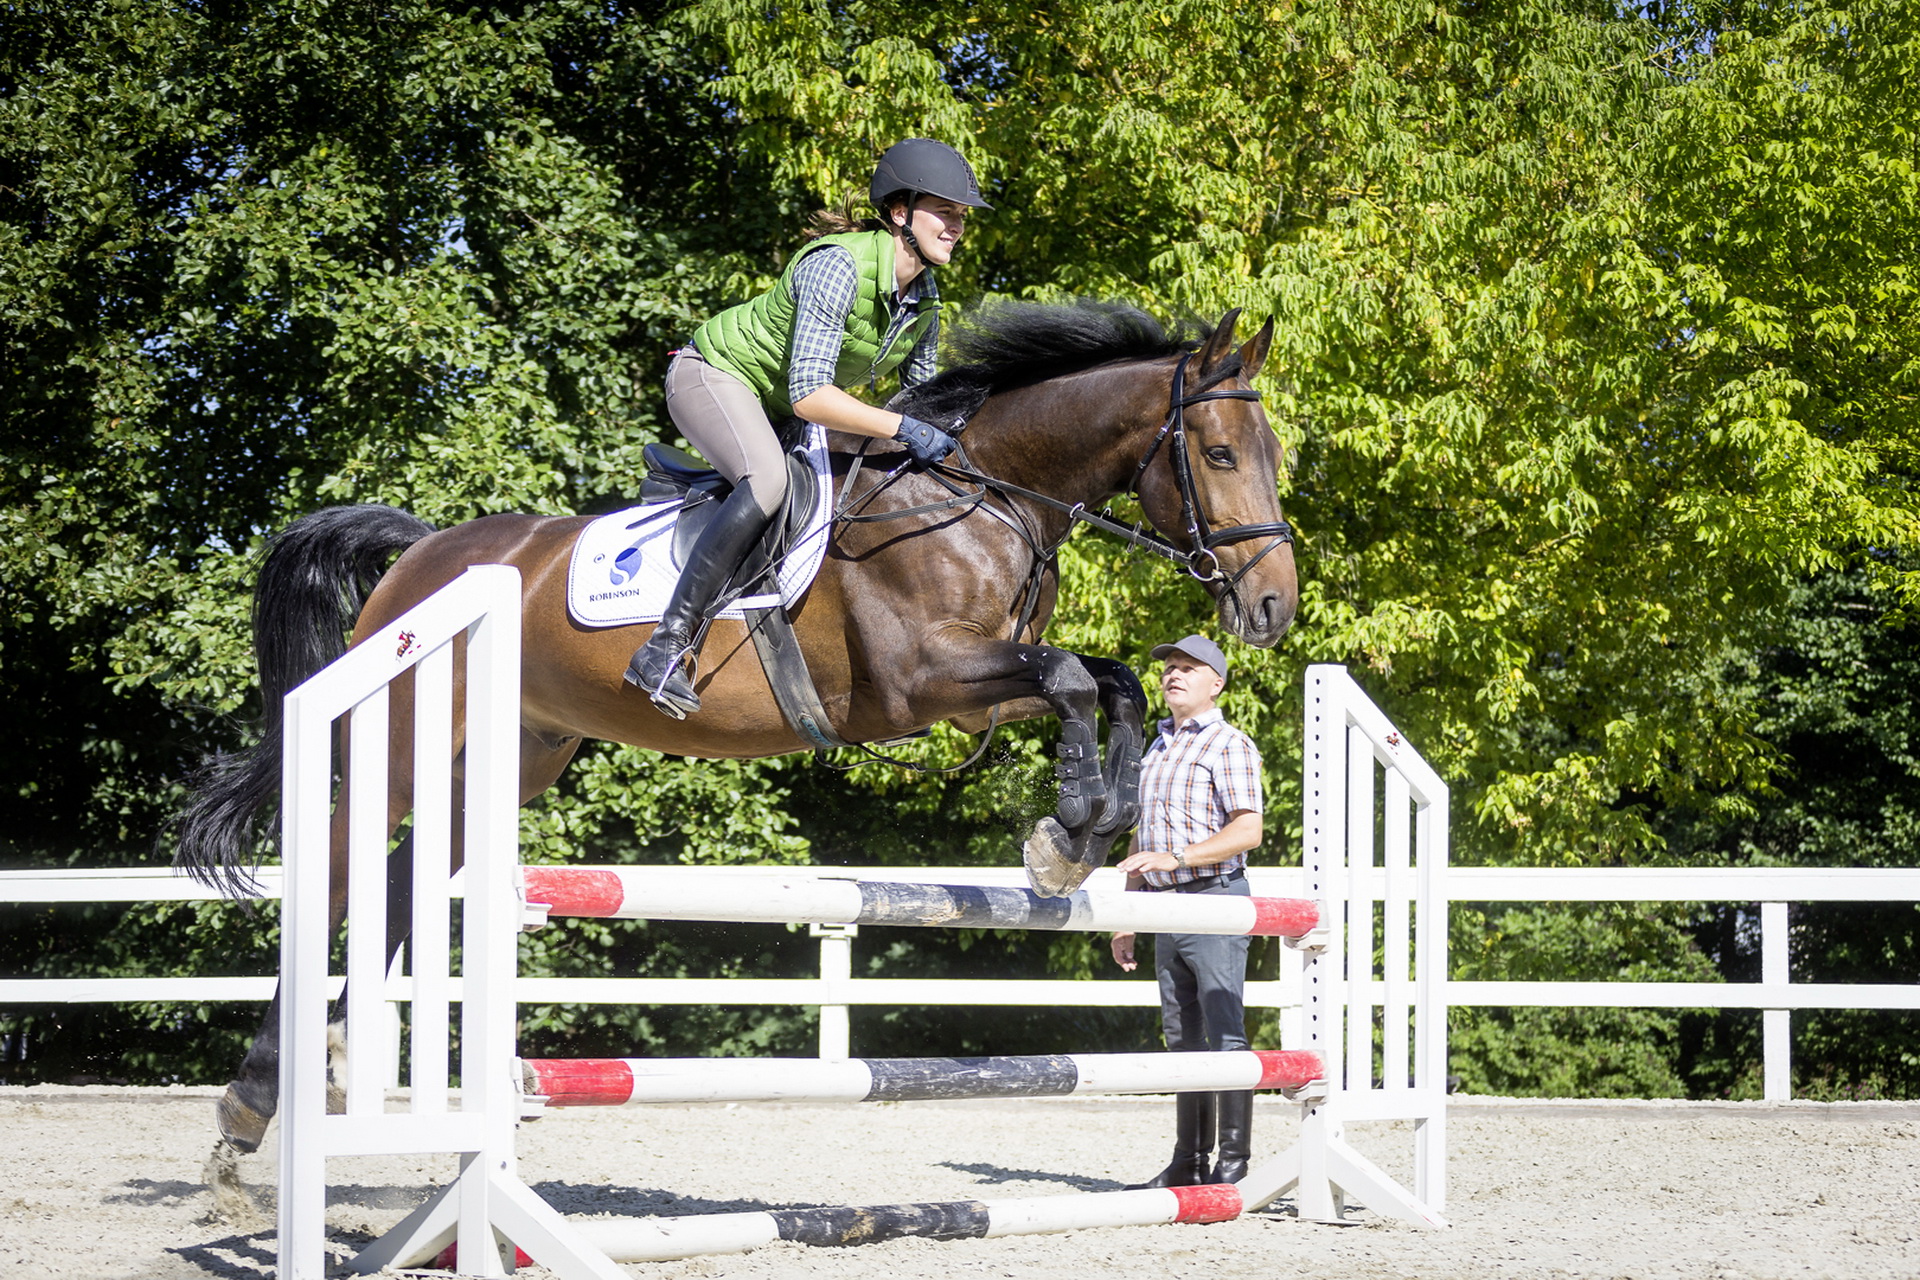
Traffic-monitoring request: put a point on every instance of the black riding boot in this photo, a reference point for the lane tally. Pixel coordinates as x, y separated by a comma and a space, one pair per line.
1236, 1135
1192, 1143
722, 545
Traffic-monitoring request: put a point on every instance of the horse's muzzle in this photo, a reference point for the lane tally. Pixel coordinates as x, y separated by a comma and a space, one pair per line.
1259, 619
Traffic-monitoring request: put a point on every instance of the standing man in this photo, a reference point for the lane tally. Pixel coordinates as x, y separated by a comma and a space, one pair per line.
1199, 815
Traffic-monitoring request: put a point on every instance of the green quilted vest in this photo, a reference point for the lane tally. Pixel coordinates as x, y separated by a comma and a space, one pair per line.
752, 341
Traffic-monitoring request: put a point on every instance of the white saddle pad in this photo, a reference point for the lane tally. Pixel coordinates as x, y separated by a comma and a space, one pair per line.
623, 569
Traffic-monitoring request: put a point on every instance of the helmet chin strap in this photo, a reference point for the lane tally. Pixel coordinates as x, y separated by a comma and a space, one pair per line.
906, 230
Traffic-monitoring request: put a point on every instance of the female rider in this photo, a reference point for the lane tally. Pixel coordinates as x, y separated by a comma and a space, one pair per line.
849, 308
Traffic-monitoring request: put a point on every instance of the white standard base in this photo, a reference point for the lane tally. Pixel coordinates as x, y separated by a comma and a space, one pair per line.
503, 1206
1339, 1172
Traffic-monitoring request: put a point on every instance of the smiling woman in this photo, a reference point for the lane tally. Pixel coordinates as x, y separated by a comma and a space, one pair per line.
855, 305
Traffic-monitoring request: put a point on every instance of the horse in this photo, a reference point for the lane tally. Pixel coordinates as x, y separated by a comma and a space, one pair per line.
929, 606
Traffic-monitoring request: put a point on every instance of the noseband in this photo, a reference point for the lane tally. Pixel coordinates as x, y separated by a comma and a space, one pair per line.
1200, 559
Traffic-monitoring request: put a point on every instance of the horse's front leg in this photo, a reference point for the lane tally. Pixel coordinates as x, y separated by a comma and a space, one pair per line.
1123, 701
1065, 848
1097, 802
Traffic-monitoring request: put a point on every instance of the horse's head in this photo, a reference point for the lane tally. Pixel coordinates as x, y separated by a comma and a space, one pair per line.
1210, 485
1069, 406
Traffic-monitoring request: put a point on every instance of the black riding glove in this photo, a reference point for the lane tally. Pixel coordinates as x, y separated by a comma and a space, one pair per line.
926, 442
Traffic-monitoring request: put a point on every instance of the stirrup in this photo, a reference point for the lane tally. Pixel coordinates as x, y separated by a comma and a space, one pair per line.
672, 693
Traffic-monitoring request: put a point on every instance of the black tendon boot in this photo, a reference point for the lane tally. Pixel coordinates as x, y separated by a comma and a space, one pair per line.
1192, 1143
655, 666
1236, 1135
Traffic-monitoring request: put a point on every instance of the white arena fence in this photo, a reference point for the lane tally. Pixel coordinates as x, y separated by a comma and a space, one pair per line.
836, 990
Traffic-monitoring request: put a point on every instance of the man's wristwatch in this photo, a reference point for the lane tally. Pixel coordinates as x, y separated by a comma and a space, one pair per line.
1180, 859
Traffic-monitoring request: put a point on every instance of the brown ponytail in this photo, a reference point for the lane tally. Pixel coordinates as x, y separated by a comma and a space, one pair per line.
833, 222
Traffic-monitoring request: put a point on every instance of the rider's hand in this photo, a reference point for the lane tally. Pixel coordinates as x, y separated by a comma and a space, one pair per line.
926, 442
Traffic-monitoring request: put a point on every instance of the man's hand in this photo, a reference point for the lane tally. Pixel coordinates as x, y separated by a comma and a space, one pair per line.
1123, 951
1147, 860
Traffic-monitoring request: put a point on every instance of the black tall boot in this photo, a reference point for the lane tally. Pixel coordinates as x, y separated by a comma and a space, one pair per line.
1236, 1135
1192, 1143
655, 666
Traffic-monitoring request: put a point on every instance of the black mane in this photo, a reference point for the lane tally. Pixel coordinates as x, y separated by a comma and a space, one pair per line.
1015, 344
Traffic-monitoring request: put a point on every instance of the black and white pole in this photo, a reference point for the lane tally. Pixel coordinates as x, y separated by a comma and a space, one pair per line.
619, 1082
664, 1239
628, 893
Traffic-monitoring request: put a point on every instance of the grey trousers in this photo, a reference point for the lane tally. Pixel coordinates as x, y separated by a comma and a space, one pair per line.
722, 418
1203, 979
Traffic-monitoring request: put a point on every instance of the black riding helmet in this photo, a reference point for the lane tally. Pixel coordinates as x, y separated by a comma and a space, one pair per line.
923, 167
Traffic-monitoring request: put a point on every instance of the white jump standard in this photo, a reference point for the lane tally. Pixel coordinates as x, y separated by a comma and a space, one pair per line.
486, 1215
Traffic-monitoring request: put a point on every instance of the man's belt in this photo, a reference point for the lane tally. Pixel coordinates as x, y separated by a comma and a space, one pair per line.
1201, 885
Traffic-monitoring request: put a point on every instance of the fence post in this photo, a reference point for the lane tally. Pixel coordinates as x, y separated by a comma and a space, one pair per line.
836, 967
1776, 1025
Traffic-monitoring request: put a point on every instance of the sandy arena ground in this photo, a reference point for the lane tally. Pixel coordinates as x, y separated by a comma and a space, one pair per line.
105, 1184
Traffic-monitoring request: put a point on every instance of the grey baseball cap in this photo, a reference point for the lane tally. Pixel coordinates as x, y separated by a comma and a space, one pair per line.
1198, 648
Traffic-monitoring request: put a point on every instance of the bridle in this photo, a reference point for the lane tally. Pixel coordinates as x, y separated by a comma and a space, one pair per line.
1192, 518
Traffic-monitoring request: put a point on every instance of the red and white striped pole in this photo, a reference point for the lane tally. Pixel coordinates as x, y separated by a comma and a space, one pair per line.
616, 1082
664, 1239
629, 893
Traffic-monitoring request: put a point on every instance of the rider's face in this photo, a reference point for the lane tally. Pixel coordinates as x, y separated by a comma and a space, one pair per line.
937, 225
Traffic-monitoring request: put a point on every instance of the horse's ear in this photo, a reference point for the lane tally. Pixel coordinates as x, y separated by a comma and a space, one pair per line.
1218, 345
1254, 354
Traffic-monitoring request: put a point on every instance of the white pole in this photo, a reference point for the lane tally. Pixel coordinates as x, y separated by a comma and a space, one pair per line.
429, 947
306, 785
490, 925
664, 1239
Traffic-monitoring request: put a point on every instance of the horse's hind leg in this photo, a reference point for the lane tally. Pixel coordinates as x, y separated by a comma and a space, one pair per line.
253, 1096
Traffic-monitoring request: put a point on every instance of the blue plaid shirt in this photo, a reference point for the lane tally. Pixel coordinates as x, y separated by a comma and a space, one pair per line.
825, 285
1192, 781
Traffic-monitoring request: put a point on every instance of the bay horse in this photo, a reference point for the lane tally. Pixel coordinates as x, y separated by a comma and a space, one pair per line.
930, 605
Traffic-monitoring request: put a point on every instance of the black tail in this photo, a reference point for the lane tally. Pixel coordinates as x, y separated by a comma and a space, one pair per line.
314, 578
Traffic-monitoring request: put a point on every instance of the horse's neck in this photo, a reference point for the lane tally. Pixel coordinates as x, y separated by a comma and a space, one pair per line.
1070, 438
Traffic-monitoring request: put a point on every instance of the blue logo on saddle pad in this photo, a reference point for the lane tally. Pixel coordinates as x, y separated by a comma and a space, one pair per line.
625, 565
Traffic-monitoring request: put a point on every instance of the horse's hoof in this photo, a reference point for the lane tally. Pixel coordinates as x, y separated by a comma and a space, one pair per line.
1048, 853
241, 1126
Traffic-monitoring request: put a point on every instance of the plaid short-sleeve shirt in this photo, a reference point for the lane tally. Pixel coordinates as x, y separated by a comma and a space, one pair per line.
1192, 780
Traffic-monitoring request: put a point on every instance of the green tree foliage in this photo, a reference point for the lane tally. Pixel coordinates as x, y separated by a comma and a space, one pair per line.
1836, 690
1595, 336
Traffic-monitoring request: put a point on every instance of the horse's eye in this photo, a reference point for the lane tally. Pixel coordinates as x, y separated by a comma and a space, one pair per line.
1220, 456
